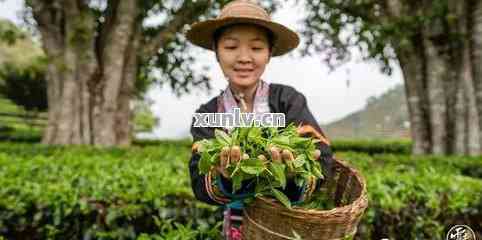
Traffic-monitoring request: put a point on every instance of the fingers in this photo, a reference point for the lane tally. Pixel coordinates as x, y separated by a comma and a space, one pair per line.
288, 158
224, 161
235, 154
275, 155
263, 159
308, 130
316, 154
194, 148
225, 152
229, 156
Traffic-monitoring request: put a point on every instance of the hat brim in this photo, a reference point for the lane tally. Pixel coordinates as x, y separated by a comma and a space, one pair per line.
201, 33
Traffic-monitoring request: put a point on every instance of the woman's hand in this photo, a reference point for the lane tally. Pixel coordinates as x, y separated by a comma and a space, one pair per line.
286, 156
233, 156
229, 156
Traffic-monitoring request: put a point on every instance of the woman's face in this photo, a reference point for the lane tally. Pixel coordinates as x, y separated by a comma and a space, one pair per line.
243, 52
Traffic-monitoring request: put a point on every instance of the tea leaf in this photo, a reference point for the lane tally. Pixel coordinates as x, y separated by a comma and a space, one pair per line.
205, 162
278, 171
299, 160
281, 197
222, 137
252, 166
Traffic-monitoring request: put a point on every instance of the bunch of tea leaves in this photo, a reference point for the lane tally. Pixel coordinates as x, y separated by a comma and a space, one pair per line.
269, 176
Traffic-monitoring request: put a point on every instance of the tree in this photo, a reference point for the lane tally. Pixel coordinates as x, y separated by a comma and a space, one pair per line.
144, 119
9, 33
97, 50
438, 44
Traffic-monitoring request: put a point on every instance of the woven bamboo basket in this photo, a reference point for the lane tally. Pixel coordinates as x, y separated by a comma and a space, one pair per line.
266, 219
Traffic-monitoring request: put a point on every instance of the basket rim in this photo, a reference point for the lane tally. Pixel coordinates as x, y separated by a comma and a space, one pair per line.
361, 201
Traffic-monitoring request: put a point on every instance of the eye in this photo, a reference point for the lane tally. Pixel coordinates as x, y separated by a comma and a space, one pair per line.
257, 48
230, 47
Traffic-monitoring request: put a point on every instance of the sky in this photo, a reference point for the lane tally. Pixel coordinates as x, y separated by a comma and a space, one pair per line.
328, 95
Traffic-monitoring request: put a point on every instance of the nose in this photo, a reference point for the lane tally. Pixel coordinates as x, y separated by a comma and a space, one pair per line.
244, 55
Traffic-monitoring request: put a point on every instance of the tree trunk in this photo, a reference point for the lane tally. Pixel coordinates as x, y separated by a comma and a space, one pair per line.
466, 124
89, 88
436, 76
443, 78
472, 130
475, 35
460, 121
94, 64
412, 65
471, 119
115, 57
124, 114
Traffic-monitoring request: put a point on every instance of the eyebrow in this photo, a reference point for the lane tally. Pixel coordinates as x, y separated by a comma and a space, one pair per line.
235, 39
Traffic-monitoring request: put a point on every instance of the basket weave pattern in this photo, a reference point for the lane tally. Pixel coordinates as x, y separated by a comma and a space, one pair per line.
266, 219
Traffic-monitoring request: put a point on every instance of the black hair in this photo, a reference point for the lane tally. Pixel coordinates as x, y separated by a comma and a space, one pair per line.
217, 34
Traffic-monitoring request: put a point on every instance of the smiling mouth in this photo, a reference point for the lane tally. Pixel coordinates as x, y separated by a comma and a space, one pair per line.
243, 71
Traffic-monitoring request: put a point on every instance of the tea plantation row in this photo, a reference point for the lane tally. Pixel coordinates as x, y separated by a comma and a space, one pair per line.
144, 193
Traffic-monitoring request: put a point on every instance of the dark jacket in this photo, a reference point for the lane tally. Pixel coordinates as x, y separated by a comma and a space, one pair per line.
282, 99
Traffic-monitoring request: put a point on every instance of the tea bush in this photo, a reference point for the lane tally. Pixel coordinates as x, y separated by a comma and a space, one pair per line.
144, 193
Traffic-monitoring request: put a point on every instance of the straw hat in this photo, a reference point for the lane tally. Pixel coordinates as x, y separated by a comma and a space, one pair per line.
243, 11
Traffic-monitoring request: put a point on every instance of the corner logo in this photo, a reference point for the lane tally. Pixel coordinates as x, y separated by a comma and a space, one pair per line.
460, 232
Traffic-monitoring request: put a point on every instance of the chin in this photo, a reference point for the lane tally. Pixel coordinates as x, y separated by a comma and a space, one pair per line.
244, 83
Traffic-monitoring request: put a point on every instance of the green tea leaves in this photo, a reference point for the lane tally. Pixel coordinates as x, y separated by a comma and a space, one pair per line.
299, 161
316, 170
281, 197
294, 158
222, 137
278, 171
254, 133
252, 166
205, 162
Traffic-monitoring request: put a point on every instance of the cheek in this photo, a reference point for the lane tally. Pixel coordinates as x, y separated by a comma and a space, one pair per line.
226, 60
261, 62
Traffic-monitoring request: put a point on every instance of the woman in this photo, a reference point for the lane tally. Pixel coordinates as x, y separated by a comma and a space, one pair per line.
244, 39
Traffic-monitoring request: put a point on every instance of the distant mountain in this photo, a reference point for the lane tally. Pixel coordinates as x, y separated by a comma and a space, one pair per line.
385, 116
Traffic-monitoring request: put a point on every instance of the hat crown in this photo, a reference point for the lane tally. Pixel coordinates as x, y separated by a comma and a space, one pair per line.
243, 12
244, 8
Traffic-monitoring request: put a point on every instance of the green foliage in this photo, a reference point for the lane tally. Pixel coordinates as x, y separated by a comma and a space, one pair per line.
82, 192
334, 26
8, 106
25, 86
17, 46
9, 33
144, 118
182, 143
144, 193
174, 63
18, 129
369, 146
22, 69
418, 197
268, 174
373, 146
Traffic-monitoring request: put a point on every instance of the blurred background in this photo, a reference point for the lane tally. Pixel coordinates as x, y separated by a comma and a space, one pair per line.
332, 94
101, 94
